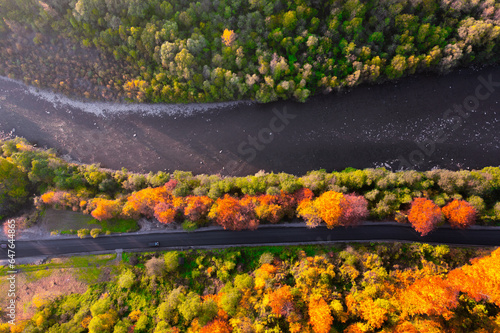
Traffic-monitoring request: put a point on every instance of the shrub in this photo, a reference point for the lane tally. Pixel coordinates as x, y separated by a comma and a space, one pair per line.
424, 215
95, 232
460, 214
189, 225
82, 233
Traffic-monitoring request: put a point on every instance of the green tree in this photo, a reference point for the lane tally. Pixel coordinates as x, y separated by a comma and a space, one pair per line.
126, 279
13, 187
190, 307
171, 261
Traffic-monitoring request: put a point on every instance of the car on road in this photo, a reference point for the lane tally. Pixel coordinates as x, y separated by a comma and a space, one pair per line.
154, 244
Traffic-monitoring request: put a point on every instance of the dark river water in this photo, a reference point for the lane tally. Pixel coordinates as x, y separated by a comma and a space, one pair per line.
422, 122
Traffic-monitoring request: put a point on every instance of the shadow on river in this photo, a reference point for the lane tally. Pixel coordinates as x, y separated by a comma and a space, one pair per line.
396, 125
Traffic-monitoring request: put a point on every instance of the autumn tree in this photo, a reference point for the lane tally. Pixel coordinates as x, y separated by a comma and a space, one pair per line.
281, 301
104, 209
144, 201
460, 214
431, 296
197, 207
481, 279
424, 215
217, 326
228, 37
320, 316
234, 214
354, 209
155, 266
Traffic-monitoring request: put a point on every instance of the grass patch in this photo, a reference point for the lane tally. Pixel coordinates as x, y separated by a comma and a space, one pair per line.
115, 225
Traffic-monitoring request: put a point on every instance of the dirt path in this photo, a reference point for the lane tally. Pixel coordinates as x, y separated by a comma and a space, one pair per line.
383, 125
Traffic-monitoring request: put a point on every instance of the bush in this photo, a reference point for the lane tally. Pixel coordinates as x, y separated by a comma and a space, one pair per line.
82, 233
189, 225
95, 232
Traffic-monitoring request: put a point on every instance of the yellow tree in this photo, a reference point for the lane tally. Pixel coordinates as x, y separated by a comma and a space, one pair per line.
228, 37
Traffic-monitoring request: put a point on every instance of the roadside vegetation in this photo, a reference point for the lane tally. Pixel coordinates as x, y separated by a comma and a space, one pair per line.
181, 51
116, 199
315, 289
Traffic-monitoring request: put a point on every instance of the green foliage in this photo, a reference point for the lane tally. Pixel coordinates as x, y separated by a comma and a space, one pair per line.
159, 51
126, 279
171, 261
190, 306
13, 187
100, 306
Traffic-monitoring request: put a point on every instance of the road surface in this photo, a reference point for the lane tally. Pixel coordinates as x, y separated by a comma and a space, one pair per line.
261, 236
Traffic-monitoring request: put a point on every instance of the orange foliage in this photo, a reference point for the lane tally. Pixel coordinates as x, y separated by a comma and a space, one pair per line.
329, 207
47, 198
280, 301
269, 209
424, 215
460, 214
165, 213
334, 209
217, 326
197, 207
320, 317
60, 199
104, 209
262, 274
228, 37
144, 201
481, 280
432, 296
374, 315
86, 321
234, 214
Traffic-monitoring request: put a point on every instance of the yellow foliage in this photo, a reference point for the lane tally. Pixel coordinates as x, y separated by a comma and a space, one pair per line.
228, 37
38, 301
134, 315
18, 328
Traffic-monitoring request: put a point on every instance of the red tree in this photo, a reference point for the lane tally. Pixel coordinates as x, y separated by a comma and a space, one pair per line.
354, 209
460, 214
197, 207
424, 215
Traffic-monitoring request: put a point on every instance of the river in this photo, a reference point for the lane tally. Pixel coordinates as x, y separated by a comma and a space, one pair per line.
411, 124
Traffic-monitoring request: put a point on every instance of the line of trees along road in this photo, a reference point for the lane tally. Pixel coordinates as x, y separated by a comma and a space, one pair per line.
425, 199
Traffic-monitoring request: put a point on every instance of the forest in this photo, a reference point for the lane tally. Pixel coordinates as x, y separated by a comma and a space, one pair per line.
350, 288
185, 51
34, 177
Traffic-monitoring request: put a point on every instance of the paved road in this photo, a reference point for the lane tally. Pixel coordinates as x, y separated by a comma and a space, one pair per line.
269, 236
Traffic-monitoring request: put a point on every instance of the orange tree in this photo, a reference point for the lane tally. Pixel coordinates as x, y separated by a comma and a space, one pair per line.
424, 215
460, 214
234, 214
